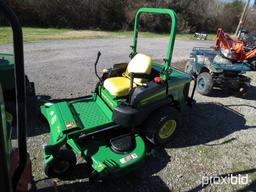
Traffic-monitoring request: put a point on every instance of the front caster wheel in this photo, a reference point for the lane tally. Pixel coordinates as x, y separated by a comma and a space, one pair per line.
63, 163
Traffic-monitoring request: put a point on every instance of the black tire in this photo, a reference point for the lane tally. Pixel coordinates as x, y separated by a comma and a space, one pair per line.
62, 165
156, 122
234, 86
189, 67
204, 83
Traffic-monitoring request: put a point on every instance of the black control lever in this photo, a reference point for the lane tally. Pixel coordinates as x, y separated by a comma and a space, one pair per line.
95, 66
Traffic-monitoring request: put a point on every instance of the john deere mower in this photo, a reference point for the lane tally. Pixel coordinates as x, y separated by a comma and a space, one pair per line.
133, 104
222, 66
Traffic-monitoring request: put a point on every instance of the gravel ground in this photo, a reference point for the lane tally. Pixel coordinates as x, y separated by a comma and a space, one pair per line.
217, 137
65, 68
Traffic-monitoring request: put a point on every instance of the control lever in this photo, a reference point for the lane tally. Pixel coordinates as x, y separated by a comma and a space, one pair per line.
95, 66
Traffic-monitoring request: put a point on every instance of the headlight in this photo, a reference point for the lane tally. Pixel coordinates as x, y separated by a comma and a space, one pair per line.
227, 53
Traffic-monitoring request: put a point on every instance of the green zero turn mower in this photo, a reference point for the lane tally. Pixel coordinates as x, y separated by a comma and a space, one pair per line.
133, 103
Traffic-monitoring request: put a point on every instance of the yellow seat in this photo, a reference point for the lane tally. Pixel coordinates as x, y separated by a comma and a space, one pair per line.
119, 86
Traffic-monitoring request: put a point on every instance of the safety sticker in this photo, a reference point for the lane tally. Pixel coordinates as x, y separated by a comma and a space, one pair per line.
128, 158
70, 124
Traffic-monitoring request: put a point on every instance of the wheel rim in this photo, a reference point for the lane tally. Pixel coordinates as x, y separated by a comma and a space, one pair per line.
167, 129
201, 84
61, 167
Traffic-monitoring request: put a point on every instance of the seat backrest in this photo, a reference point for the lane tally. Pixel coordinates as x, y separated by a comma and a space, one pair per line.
140, 63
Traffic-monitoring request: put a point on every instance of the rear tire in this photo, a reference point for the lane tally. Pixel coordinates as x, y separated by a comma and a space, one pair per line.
161, 125
204, 83
234, 86
62, 165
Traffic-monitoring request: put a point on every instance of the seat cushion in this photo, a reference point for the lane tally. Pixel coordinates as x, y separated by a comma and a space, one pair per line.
140, 63
117, 86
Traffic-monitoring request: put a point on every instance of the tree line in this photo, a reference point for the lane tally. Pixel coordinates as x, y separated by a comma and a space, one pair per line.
193, 15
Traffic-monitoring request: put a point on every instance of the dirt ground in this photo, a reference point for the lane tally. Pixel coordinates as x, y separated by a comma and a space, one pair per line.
216, 141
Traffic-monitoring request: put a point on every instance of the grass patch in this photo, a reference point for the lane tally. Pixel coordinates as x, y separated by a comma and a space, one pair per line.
43, 34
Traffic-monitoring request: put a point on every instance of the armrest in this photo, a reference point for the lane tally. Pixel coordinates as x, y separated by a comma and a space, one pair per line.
137, 75
116, 70
119, 68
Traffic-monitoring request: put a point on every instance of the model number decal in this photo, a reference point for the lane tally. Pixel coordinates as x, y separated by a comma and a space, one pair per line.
128, 158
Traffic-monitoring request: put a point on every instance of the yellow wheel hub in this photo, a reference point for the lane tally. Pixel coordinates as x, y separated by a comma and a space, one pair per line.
167, 129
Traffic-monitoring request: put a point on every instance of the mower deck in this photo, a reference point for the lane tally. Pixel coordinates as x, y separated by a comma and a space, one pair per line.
78, 123
106, 161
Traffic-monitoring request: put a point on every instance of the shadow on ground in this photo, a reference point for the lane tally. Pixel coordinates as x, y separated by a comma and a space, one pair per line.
248, 94
152, 183
140, 179
206, 122
35, 124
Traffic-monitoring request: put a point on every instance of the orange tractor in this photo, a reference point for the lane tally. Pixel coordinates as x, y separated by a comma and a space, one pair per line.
233, 49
